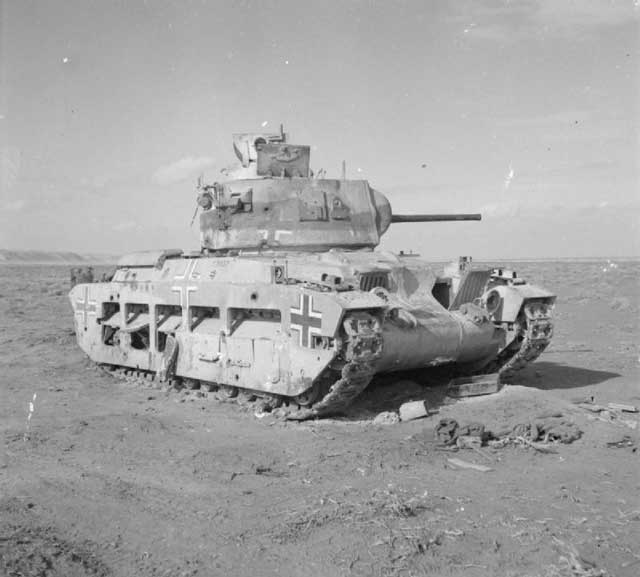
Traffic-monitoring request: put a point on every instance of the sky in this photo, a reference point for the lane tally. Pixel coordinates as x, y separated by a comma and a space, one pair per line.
526, 111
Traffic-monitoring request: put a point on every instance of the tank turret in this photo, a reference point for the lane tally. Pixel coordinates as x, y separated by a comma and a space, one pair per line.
273, 202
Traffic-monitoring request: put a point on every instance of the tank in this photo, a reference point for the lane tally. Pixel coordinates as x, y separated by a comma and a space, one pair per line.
289, 301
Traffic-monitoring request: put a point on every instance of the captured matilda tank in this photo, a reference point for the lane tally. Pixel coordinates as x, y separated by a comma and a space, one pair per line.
288, 301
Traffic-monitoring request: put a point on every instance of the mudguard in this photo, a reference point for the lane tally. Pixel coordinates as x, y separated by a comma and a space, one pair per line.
512, 298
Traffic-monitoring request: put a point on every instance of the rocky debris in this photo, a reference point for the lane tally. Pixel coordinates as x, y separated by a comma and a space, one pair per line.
407, 412
612, 413
448, 431
468, 442
622, 407
474, 430
386, 418
267, 471
474, 386
546, 430
592, 407
467, 465
624, 442
413, 410
538, 433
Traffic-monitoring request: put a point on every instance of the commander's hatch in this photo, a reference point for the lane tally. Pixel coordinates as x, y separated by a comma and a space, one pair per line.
246, 144
270, 155
282, 159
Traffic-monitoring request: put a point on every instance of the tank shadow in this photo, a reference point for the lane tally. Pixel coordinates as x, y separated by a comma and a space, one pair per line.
547, 375
389, 392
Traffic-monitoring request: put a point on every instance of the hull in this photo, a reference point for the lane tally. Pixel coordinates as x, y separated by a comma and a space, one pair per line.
290, 326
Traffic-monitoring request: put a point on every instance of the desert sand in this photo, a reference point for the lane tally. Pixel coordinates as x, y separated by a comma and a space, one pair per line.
101, 477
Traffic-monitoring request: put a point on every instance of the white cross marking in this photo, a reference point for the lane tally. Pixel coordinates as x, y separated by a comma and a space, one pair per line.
184, 292
189, 271
86, 307
305, 320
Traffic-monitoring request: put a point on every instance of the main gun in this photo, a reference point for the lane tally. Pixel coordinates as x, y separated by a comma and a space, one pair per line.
433, 217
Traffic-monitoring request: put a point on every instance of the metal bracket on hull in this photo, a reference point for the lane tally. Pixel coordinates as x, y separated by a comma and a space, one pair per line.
169, 358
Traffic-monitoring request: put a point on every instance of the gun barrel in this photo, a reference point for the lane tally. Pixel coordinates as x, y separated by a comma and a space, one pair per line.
433, 217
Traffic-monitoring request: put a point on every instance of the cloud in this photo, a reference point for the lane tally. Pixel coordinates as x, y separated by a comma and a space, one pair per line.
181, 170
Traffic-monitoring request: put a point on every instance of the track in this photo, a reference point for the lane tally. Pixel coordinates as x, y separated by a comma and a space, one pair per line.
354, 378
537, 330
332, 393
338, 386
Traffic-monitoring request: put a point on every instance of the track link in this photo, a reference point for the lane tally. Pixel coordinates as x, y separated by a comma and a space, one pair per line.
340, 385
535, 338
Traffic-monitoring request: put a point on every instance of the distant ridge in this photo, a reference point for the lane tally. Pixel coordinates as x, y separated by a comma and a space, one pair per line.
50, 257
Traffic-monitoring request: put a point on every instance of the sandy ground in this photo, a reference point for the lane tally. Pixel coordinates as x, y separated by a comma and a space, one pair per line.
108, 478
